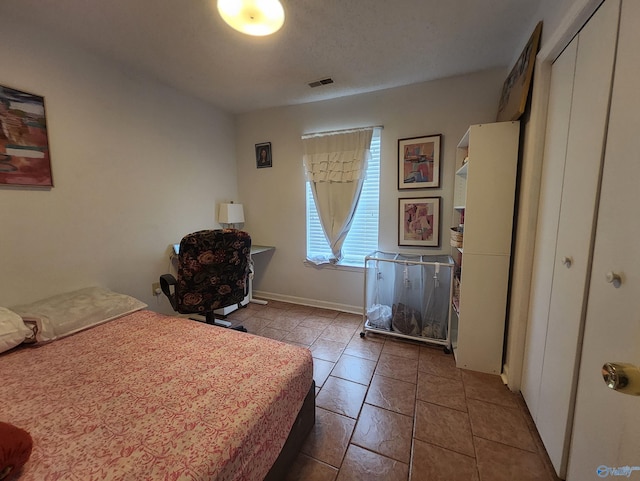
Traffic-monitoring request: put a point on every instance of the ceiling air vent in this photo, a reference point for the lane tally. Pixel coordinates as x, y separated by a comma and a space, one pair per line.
318, 83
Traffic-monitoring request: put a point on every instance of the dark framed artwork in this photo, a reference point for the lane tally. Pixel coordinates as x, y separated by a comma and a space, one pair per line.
515, 90
24, 145
419, 162
419, 221
263, 155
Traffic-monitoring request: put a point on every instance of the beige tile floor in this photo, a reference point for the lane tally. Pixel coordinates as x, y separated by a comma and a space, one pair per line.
388, 409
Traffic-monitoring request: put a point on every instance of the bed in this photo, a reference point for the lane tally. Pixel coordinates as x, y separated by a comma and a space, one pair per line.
146, 396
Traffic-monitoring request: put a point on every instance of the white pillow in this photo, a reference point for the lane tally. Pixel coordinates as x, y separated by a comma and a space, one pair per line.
12, 329
71, 312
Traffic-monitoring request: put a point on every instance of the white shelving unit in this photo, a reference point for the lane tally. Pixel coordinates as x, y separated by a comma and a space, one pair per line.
484, 197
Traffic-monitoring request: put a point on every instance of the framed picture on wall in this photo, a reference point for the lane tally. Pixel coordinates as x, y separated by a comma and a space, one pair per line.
419, 221
24, 145
263, 155
419, 162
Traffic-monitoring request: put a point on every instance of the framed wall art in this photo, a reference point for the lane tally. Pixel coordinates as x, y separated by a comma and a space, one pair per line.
24, 145
263, 155
419, 162
419, 221
515, 89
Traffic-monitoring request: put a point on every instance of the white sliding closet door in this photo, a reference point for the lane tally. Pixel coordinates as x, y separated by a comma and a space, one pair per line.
559, 114
564, 262
606, 436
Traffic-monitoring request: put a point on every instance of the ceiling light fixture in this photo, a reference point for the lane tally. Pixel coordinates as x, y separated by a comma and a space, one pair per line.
253, 17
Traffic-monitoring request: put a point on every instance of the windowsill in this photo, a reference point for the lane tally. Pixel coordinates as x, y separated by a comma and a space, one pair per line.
337, 267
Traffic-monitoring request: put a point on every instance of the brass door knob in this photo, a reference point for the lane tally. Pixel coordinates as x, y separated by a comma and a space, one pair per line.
622, 377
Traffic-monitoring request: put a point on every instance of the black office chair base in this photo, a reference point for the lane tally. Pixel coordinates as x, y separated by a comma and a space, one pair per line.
211, 319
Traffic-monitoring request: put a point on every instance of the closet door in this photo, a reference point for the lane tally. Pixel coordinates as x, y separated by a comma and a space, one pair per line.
559, 114
606, 434
595, 55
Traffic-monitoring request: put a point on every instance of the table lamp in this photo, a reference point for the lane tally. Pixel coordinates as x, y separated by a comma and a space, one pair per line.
231, 214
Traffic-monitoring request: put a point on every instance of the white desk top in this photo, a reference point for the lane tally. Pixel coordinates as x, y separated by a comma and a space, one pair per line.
257, 249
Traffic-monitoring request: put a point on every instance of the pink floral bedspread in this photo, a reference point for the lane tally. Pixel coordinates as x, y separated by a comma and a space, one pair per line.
153, 397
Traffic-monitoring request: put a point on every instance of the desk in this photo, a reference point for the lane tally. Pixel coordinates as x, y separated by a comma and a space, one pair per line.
255, 249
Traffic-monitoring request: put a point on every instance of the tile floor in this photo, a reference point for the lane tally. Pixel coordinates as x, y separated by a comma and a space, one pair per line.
388, 409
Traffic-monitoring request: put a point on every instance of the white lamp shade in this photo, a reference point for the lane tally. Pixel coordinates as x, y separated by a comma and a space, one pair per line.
230, 214
253, 17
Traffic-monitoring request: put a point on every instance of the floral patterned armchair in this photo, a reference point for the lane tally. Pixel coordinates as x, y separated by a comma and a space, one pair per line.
213, 272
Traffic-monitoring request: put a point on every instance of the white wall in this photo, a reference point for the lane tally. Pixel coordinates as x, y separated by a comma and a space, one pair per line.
274, 198
136, 165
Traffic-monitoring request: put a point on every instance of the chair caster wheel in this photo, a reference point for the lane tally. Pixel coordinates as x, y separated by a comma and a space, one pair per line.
362, 335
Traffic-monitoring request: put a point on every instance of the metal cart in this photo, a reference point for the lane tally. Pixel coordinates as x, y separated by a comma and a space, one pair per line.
409, 296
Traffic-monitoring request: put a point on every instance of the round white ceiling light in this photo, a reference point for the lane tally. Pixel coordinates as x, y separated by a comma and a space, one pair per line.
253, 17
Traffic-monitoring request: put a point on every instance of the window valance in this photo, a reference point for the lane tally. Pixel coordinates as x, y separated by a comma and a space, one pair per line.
337, 156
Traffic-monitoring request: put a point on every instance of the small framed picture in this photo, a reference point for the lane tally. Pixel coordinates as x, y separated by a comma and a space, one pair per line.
419, 162
419, 222
263, 155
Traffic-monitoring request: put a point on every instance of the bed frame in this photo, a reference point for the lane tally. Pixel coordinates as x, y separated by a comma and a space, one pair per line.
299, 432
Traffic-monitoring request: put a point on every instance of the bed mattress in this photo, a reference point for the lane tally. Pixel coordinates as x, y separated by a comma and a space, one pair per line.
154, 397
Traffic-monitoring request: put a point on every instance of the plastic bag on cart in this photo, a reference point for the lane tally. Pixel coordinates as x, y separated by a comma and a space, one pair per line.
379, 316
406, 320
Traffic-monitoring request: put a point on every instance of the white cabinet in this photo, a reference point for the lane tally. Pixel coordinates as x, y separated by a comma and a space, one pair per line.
484, 204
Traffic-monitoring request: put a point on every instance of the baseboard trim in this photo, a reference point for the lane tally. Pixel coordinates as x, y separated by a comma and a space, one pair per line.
303, 301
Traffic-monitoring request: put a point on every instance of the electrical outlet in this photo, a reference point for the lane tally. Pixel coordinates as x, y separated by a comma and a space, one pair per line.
155, 289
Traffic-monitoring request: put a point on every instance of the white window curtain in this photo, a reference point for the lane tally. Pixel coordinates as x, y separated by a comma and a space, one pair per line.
335, 165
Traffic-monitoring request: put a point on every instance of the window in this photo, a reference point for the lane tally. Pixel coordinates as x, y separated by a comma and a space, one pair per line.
363, 235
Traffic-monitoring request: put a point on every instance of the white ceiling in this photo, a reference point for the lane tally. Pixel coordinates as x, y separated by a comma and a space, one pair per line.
364, 45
